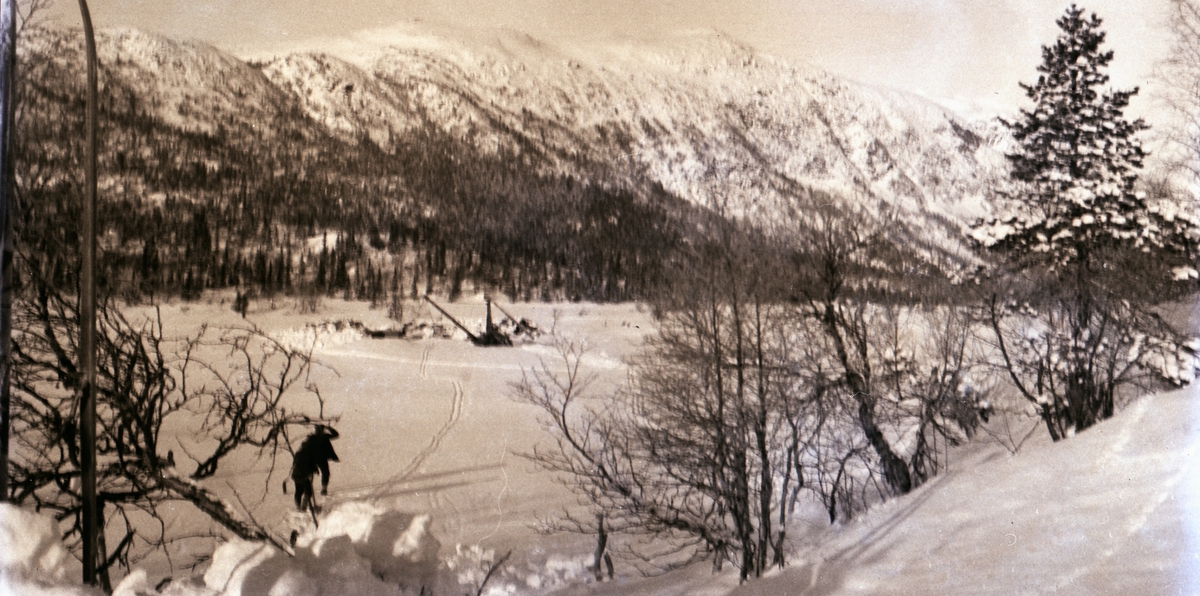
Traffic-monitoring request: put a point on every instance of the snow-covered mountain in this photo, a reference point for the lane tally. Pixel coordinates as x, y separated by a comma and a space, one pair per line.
709, 119
189, 85
704, 118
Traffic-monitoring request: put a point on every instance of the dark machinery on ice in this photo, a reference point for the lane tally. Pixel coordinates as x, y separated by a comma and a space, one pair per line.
492, 335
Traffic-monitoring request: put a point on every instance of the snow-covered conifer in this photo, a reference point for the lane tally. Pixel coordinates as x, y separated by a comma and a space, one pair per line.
1076, 210
1080, 336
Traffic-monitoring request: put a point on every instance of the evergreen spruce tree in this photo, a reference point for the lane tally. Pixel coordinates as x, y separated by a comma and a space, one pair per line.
1080, 338
1077, 214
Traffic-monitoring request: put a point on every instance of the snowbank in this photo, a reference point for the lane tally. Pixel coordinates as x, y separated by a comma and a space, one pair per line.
359, 549
33, 560
254, 569
1110, 511
319, 335
398, 546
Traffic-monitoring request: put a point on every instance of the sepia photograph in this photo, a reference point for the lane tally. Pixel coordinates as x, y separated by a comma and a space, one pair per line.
599, 298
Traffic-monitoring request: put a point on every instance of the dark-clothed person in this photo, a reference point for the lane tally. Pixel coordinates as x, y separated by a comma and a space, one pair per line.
313, 456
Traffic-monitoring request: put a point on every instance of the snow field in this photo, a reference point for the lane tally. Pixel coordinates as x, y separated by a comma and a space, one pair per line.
430, 492
428, 427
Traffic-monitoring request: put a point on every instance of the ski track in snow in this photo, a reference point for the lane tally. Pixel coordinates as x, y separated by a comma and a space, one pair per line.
424, 363
424, 371
500, 495
456, 409
1116, 455
1115, 449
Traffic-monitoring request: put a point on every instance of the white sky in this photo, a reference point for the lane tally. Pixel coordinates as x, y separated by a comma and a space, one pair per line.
968, 53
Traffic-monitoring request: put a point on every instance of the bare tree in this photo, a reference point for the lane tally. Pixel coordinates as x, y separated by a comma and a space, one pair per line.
32, 14
743, 402
835, 250
1179, 74
582, 452
1077, 373
688, 453
879, 360
225, 391
925, 367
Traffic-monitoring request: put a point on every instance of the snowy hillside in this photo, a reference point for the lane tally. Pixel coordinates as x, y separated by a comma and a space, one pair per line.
709, 119
1112, 511
705, 118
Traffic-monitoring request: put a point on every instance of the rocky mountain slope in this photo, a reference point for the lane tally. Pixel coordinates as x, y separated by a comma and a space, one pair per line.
709, 119
393, 127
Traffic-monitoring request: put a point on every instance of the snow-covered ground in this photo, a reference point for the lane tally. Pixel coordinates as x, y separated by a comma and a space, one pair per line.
33, 561
1111, 511
1115, 510
428, 426
428, 429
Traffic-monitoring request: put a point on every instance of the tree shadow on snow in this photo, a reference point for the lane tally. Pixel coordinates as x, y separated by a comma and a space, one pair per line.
392, 487
827, 575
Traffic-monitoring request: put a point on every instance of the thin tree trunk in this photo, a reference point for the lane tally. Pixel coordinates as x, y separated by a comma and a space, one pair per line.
8, 27
783, 507
102, 576
601, 547
741, 489
87, 314
721, 454
894, 469
766, 489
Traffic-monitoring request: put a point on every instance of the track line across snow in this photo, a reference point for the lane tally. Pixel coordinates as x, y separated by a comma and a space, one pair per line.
424, 372
456, 409
424, 363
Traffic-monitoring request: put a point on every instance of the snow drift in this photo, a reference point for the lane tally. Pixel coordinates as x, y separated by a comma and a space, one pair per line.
359, 548
33, 560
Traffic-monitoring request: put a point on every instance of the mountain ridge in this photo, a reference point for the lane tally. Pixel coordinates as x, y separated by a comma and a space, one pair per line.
700, 117
704, 95
672, 113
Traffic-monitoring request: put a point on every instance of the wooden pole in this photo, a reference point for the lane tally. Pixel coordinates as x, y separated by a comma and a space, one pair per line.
8, 61
487, 327
87, 318
474, 338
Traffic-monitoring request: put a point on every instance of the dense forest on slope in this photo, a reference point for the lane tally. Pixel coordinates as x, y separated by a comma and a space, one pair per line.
287, 207
213, 176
